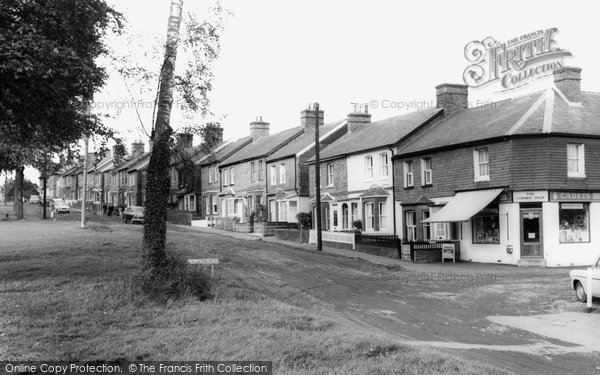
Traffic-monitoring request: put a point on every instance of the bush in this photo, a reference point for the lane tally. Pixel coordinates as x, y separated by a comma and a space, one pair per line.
174, 280
304, 219
357, 224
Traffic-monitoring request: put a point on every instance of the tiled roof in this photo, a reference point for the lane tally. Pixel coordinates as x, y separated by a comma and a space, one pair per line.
378, 134
264, 146
541, 112
305, 140
224, 150
131, 162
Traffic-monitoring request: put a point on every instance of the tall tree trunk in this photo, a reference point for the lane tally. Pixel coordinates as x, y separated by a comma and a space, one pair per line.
18, 192
157, 185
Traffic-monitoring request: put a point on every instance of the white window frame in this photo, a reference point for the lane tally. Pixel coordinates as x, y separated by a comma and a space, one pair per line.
225, 177
579, 150
478, 163
223, 208
252, 172
384, 160
369, 218
210, 174
329, 174
282, 173
231, 176
426, 172
409, 179
216, 172
230, 207
411, 225
369, 170
261, 170
382, 216
273, 175
215, 205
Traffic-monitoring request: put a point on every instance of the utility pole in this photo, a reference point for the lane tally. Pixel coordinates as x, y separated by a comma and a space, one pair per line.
318, 179
83, 195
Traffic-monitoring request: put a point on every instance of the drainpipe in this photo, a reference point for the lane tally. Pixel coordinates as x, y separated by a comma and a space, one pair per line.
393, 191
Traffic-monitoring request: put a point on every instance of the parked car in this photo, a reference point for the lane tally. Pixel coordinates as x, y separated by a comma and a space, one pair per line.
579, 281
34, 199
61, 206
133, 214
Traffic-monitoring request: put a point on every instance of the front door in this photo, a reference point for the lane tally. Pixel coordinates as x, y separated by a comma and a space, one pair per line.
531, 233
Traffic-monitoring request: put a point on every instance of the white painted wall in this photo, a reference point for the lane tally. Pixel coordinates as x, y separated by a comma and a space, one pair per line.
357, 171
495, 253
571, 254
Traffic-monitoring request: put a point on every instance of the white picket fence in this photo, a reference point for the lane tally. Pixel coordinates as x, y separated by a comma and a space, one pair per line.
347, 238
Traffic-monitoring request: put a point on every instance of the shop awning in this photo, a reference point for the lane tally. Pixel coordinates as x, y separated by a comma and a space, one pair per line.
464, 205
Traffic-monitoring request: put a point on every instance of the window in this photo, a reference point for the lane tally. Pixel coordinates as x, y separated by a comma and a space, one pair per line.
327, 217
189, 202
210, 174
344, 216
215, 204
231, 176
353, 212
230, 207
385, 164
408, 174
382, 215
481, 162
273, 175
329, 174
223, 208
426, 226
369, 218
282, 173
216, 171
575, 160
574, 222
261, 170
282, 211
207, 205
335, 218
411, 225
369, 167
426, 176
485, 227
226, 177
253, 172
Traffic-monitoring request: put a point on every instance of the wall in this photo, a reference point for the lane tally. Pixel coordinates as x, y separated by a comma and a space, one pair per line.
575, 254
340, 178
495, 253
290, 174
357, 180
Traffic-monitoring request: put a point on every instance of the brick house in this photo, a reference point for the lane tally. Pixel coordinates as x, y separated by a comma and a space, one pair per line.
357, 175
287, 170
516, 181
126, 183
244, 177
210, 176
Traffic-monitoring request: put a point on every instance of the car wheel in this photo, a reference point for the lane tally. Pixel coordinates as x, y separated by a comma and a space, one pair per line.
580, 292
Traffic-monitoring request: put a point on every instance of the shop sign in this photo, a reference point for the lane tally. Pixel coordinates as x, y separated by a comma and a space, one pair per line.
530, 196
571, 206
574, 196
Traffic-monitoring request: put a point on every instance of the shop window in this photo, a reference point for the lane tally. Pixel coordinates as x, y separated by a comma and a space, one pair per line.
426, 173
485, 227
575, 160
408, 174
411, 226
481, 162
574, 222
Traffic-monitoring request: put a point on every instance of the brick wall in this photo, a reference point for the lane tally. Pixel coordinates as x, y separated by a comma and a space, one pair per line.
340, 178
557, 164
290, 174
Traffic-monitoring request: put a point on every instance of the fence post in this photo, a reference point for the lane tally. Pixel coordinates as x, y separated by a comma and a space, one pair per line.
589, 289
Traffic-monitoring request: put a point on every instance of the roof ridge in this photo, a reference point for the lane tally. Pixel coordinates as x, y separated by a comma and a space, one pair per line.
534, 107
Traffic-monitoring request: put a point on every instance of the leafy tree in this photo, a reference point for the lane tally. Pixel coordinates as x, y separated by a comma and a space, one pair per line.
29, 189
48, 70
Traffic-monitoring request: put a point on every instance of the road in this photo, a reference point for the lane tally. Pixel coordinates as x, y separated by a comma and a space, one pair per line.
456, 307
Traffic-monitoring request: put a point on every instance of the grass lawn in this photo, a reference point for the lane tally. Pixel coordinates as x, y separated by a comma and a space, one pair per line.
64, 295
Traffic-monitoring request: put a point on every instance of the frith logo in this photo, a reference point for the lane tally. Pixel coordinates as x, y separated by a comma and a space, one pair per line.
513, 63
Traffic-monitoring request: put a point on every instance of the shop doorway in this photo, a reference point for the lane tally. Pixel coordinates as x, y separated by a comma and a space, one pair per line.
532, 240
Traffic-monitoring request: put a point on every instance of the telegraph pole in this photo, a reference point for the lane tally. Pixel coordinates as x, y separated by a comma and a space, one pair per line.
318, 179
83, 195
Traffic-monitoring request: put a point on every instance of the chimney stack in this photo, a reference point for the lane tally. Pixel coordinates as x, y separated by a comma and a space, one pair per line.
568, 81
308, 118
452, 98
359, 115
184, 140
137, 148
259, 128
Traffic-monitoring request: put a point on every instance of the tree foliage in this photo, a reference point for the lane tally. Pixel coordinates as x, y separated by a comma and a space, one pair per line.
29, 189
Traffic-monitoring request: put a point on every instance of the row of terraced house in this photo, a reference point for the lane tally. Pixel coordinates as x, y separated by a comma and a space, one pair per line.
515, 181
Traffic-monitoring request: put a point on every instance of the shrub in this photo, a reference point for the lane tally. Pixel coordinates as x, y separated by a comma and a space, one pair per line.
357, 224
304, 219
175, 279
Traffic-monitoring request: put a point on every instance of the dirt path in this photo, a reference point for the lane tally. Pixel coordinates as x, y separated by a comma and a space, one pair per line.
435, 305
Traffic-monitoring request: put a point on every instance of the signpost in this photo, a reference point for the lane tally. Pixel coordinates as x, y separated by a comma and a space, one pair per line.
448, 252
210, 261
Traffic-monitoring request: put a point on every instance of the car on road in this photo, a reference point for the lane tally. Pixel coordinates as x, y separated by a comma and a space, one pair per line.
579, 281
34, 199
61, 206
133, 214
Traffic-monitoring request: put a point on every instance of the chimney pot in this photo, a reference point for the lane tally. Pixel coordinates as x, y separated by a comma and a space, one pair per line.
452, 98
259, 128
360, 115
568, 81
308, 117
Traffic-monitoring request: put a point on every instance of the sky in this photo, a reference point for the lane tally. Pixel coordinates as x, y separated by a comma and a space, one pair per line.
279, 56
